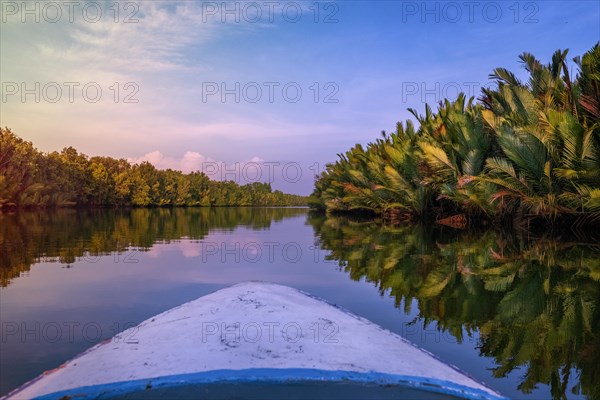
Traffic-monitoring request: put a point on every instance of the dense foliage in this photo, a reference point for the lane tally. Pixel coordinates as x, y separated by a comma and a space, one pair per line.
29, 178
525, 150
532, 304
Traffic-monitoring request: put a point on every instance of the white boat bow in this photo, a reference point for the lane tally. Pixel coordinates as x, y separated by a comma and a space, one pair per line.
256, 333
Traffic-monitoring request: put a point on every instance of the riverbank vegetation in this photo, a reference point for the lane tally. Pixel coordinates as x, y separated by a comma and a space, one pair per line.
30, 178
524, 151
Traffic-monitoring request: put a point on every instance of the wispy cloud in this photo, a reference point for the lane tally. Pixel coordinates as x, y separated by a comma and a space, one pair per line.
156, 42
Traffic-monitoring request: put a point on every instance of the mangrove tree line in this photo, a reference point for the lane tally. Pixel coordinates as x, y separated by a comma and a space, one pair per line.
30, 178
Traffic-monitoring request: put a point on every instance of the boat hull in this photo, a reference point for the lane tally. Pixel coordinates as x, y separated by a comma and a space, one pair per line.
255, 340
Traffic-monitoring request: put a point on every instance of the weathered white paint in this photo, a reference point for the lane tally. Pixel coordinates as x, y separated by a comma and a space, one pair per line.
277, 327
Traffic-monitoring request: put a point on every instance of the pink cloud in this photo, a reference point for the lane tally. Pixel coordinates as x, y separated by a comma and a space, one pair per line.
191, 161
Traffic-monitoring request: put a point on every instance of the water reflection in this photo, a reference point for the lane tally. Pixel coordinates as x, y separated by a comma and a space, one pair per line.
68, 235
530, 306
534, 302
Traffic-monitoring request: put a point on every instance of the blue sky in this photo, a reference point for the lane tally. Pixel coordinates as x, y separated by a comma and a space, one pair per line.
376, 58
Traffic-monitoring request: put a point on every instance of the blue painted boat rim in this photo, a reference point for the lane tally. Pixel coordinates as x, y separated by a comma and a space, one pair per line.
272, 376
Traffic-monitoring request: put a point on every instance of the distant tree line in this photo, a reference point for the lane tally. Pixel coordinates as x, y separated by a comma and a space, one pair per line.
526, 150
30, 178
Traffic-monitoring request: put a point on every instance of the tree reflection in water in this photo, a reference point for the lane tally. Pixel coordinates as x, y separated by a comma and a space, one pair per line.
534, 302
66, 235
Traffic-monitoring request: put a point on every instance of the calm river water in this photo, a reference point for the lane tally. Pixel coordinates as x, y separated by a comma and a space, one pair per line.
520, 314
